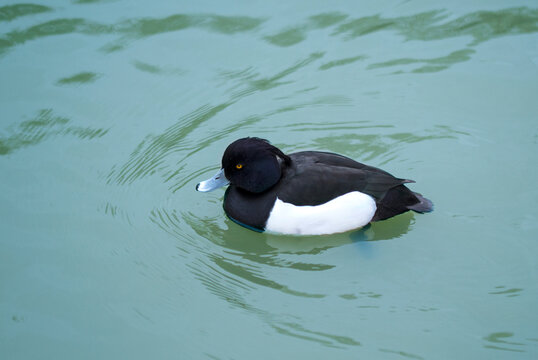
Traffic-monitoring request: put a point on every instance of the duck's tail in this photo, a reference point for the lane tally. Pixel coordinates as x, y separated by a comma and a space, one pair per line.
398, 200
424, 205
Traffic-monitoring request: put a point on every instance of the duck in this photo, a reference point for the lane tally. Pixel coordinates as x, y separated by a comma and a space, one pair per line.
306, 192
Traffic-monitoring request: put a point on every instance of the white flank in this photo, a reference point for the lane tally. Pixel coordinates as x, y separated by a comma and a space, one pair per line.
349, 211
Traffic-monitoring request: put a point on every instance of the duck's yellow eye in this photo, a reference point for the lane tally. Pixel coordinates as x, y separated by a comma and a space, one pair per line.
239, 166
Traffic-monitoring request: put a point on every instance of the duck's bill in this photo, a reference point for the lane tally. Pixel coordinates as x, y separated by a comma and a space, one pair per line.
215, 182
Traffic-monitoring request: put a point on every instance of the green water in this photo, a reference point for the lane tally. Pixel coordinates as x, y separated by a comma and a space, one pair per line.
112, 111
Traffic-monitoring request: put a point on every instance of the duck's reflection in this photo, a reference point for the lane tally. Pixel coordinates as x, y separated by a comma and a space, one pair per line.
238, 265
246, 254
242, 262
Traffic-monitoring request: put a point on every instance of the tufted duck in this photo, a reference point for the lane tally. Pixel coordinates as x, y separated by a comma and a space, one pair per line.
308, 192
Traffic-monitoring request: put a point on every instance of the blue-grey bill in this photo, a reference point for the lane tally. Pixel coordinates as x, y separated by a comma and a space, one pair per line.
215, 182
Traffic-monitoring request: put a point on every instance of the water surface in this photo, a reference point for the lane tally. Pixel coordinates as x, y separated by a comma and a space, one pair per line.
112, 111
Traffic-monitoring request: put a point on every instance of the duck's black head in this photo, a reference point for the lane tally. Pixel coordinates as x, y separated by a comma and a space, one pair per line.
253, 164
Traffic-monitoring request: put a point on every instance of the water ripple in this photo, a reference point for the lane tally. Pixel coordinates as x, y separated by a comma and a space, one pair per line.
298, 331
402, 353
152, 151
368, 147
11, 12
342, 62
139, 28
502, 290
243, 272
44, 126
430, 65
231, 259
297, 34
156, 70
151, 154
131, 29
481, 26
234, 272
499, 341
80, 78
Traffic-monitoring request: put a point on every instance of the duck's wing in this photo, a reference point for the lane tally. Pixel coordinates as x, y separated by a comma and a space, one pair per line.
333, 159
314, 178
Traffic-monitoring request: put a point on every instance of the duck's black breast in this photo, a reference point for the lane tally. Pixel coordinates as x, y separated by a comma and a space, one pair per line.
249, 208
